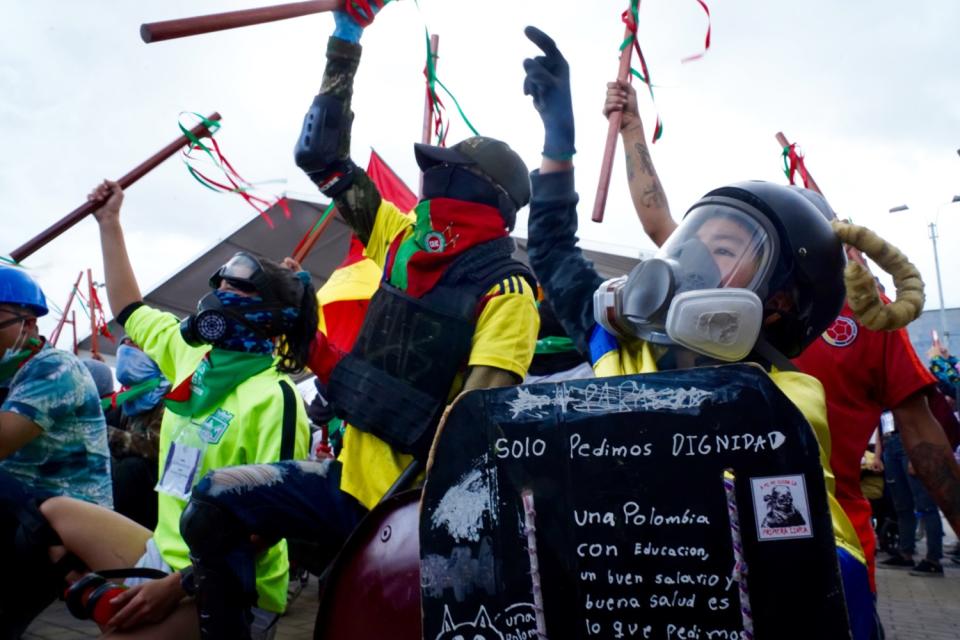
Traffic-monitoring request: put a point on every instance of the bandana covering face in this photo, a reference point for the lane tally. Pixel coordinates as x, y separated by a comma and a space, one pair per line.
240, 336
134, 368
444, 229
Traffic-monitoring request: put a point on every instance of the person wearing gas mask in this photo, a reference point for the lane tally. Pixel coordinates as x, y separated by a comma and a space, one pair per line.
864, 371
53, 441
753, 273
231, 402
453, 312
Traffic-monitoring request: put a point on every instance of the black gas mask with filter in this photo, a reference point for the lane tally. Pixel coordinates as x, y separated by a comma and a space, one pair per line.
233, 320
703, 290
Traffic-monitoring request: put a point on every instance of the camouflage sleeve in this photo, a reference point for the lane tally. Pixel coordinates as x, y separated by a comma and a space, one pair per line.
358, 204
567, 277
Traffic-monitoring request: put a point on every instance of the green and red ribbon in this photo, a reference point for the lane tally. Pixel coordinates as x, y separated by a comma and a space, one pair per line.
793, 163
441, 122
234, 182
630, 18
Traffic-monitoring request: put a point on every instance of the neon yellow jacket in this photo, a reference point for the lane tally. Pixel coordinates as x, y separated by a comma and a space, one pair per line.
248, 429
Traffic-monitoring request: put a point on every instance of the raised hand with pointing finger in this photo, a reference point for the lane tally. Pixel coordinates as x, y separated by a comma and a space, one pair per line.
548, 83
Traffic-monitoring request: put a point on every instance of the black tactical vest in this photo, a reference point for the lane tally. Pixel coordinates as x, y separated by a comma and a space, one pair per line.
395, 381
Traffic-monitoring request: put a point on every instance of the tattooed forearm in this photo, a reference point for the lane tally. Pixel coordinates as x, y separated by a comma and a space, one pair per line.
937, 469
653, 196
643, 156
630, 171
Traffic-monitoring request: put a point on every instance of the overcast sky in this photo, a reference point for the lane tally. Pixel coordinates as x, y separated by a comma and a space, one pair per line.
868, 89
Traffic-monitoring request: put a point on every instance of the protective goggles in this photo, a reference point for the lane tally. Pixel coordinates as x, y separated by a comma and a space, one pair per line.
243, 272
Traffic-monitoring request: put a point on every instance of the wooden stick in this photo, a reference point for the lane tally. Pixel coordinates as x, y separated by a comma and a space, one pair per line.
852, 252
81, 212
185, 27
606, 166
306, 244
66, 309
427, 136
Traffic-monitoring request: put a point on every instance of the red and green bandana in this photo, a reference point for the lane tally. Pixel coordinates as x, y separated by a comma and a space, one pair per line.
219, 373
444, 229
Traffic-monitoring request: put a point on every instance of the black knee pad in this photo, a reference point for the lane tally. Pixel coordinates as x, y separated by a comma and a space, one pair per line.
317, 150
209, 529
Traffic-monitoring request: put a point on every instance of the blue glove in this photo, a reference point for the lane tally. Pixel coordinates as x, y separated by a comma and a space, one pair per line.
548, 82
347, 28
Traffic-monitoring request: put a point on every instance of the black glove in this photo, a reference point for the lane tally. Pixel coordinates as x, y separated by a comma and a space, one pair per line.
548, 82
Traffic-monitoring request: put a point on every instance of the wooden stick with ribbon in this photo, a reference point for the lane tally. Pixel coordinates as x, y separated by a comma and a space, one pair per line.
606, 165
853, 253
81, 212
360, 10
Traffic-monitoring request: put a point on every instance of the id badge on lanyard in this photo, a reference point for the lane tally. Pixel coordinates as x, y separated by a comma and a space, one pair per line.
184, 459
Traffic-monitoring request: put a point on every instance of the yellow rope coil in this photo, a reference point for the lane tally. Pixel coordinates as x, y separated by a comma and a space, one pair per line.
862, 291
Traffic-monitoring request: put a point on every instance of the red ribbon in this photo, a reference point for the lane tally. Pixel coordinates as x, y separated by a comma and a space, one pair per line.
796, 164
361, 11
706, 44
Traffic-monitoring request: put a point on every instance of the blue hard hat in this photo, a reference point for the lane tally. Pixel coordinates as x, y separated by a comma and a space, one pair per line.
17, 288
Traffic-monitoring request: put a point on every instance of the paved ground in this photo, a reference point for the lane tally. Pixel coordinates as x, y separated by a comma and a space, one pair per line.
911, 608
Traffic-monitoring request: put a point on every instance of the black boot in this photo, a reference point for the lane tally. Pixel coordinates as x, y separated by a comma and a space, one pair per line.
222, 604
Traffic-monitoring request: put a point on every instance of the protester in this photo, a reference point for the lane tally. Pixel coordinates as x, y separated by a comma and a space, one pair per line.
232, 402
453, 313
53, 441
135, 440
943, 365
751, 235
864, 372
52, 433
911, 501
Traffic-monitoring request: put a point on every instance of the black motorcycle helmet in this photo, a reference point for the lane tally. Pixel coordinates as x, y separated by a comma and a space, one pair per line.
805, 291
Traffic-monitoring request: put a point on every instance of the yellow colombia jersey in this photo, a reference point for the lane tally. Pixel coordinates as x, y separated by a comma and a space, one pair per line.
246, 429
803, 390
505, 338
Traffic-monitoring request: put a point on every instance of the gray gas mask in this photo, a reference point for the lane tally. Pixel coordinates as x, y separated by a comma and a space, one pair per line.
701, 291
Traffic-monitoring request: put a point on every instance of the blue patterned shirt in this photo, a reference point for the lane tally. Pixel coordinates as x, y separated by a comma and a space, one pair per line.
70, 458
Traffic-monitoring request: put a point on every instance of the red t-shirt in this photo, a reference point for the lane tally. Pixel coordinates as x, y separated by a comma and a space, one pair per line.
864, 373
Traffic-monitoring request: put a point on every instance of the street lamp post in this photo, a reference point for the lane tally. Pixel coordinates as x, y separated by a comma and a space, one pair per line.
936, 262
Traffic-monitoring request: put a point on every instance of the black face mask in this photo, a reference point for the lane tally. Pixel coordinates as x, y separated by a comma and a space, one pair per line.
457, 183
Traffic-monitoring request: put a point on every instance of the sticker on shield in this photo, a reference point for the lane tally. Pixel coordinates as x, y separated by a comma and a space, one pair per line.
781, 507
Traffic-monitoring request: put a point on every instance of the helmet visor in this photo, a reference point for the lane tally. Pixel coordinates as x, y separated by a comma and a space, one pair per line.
719, 246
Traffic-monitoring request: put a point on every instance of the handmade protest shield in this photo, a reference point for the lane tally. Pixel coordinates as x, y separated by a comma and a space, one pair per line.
684, 505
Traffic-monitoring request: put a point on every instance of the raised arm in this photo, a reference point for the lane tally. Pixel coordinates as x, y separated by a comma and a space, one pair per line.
323, 148
647, 194
568, 279
122, 287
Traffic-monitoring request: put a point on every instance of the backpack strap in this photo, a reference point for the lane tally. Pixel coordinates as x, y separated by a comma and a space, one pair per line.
289, 430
